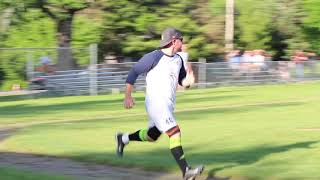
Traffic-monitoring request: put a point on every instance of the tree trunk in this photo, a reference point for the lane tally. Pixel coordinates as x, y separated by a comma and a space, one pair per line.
64, 35
5, 19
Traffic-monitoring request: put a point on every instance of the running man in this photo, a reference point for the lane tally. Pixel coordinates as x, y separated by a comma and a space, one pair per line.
165, 68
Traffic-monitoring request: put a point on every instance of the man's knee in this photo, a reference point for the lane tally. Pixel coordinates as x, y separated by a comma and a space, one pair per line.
173, 132
153, 134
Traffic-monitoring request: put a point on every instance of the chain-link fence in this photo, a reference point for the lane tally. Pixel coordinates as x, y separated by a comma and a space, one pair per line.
102, 78
99, 78
225, 73
17, 74
42, 72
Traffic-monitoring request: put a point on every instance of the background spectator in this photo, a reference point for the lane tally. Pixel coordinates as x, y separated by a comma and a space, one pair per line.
45, 65
299, 58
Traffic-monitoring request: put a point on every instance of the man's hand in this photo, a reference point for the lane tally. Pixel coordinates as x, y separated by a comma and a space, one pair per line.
189, 79
128, 100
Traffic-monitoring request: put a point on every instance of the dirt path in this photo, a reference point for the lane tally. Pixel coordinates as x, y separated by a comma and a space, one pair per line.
79, 170
76, 169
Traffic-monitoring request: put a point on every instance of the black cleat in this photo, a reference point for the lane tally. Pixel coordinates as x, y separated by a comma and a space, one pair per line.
192, 173
120, 144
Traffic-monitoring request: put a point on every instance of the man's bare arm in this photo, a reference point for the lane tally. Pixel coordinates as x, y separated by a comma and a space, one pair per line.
128, 100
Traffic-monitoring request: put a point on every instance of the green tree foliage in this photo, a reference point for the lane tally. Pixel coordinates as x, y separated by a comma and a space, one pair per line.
312, 23
34, 28
252, 21
210, 17
273, 25
62, 13
86, 30
131, 28
37, 30
288, 22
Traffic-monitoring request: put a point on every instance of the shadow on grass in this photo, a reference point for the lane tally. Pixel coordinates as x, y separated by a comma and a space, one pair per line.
29, 109
14, 98
31, 95
214, 99
6, 133
26, 110
160, 159
250, 156
216, 91
238, 109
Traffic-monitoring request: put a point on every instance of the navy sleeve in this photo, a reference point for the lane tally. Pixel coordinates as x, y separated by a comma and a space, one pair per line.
144, 65
182, 73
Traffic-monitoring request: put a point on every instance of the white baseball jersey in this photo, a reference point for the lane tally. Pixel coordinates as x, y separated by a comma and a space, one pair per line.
163, 75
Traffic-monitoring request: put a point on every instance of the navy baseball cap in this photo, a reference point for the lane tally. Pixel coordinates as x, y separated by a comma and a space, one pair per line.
168, 35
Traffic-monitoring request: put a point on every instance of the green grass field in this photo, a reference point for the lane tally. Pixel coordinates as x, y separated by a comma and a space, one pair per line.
250, 132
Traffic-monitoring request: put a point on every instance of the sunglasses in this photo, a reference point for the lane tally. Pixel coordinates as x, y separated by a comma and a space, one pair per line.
181, 39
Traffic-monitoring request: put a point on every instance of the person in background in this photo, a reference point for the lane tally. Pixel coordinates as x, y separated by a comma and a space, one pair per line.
299, 58
45, 65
